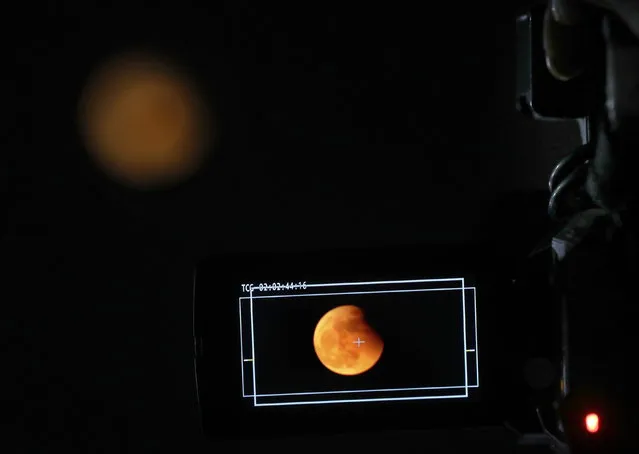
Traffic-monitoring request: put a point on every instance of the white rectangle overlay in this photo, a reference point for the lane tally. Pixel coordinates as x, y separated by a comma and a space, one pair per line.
455, 391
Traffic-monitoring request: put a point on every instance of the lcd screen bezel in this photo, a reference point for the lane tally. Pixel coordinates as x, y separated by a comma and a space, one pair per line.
227, 414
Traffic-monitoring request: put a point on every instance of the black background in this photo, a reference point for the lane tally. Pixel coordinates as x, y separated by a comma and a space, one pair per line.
422, 335
339, 126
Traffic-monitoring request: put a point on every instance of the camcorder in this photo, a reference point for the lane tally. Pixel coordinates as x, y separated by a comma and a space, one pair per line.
433, 336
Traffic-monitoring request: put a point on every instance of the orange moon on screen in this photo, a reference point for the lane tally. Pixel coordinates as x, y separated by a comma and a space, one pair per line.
345, 343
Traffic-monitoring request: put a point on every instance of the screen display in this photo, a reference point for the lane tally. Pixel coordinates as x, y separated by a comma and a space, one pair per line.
368, 340
321, 343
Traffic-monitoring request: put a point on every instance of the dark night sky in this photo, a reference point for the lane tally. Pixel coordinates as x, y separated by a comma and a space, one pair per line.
360, 127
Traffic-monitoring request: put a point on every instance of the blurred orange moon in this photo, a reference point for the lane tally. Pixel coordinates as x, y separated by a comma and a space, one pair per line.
143, 121
345, 343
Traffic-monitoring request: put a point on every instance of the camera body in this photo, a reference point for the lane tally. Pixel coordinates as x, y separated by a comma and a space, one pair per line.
592, 249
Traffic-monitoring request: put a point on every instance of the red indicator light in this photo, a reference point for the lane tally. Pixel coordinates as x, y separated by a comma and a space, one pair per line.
592, 423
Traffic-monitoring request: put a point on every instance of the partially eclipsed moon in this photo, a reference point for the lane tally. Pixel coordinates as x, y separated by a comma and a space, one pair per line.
345, 343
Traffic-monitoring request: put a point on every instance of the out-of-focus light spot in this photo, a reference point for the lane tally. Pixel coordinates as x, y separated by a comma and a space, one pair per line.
592, 423
144, 123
